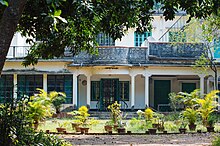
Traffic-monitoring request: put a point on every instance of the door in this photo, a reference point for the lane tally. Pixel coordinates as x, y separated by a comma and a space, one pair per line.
188, 87
109, 92
161, 90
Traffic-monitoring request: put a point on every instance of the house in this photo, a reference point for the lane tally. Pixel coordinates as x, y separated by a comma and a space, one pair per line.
138, 71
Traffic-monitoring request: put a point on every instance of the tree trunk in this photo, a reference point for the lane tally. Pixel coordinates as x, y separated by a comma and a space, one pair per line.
8, 25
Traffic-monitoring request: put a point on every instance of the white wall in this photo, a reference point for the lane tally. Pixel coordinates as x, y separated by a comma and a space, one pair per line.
139, 92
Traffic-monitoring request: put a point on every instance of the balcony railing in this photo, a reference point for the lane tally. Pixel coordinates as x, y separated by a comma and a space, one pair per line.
114, 55
19, 52
176, 50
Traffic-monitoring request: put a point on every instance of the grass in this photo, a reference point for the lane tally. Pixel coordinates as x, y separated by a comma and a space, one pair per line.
134, 125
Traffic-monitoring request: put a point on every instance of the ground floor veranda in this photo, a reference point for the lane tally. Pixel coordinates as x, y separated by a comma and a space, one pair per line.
99, 86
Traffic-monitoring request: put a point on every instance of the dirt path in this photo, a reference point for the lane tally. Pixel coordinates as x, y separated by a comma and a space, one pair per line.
202, 139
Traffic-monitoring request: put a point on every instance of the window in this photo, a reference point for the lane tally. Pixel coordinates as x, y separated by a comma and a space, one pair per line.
139, 38
124, 90
176, 36
217, 48
95, 90
6, 87
61, 83
105, 40
27, 84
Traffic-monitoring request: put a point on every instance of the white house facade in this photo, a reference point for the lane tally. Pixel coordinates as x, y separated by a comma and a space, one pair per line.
138, 71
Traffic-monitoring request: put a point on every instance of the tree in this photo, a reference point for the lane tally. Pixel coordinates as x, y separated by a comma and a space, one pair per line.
205, 30
75, 24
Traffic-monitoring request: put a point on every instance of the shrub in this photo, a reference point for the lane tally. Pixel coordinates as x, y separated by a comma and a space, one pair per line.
191, 115
115, 112
216, 141
57, 99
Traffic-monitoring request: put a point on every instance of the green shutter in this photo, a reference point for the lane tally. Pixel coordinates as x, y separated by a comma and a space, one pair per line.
139, 38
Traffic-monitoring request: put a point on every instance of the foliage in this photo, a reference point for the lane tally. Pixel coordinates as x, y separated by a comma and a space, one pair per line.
82, 115
39, 107
189, 99
57, 98
115, 112
148, 114
216, 141
75, 24
208, 105
175, 102
191, 115
63, 124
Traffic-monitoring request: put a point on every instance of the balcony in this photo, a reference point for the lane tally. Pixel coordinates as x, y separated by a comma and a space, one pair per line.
114, 55
19, 52
176, 50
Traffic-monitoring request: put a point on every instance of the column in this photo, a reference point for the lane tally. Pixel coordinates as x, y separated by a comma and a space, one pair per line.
45, 82
15, 95
75, 90
88, 99
132, 90
147, 100
202, 84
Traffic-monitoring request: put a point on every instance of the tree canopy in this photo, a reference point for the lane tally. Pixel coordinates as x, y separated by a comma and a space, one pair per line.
75, 23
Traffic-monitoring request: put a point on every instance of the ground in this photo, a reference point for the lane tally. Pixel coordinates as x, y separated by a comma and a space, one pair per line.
199, 139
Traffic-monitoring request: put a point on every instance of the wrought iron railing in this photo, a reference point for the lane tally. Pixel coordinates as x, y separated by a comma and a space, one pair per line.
22, 51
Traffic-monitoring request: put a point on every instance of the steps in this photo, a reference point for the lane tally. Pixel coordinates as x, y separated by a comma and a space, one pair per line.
107, 115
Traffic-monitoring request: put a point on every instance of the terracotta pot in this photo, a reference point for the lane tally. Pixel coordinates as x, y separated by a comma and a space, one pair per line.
165, 132
108, 128
84, 130
182, 130
210, 129
121, 130
76, 127
199, 131
192, 127
152, 131
128, 132
61, 129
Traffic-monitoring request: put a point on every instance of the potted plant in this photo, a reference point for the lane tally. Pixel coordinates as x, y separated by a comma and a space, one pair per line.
76, 125
191, 115
82, 116
207, 106
210, 124
61, 126
182, 128
149, 117
115, 113
57, 98
121, 128
108, 126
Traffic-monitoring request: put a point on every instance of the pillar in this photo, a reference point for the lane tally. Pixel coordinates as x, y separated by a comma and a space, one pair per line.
132, 90
15, 78
202, 84
147, 99
45, 82
88, 92
75, 90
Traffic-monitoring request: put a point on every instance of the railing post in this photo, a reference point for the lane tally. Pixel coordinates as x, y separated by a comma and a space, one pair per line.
13, 52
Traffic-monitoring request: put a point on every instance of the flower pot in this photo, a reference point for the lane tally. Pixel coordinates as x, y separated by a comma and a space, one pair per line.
165, 132
115, 126
160, 128
192, 127
121, 130
60, 130
182, 130
76, 127
152, 131
47, 131
199, 131
210, 129
108, 128
84, 130
128, 132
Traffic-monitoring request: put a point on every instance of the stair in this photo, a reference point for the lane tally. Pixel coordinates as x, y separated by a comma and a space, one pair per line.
107, 115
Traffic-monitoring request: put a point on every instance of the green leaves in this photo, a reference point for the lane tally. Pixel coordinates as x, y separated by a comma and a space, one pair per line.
4, 2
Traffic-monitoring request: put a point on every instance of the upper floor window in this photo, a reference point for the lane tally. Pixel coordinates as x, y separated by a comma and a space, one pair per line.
176, 36
105, 40
61, 83
27, 84
139, 38
6, 87
217, 48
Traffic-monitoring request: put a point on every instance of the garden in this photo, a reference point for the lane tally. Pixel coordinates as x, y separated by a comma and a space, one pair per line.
39, 116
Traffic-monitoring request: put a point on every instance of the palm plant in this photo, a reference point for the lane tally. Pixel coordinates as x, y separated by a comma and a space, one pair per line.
57, 99
208, 105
